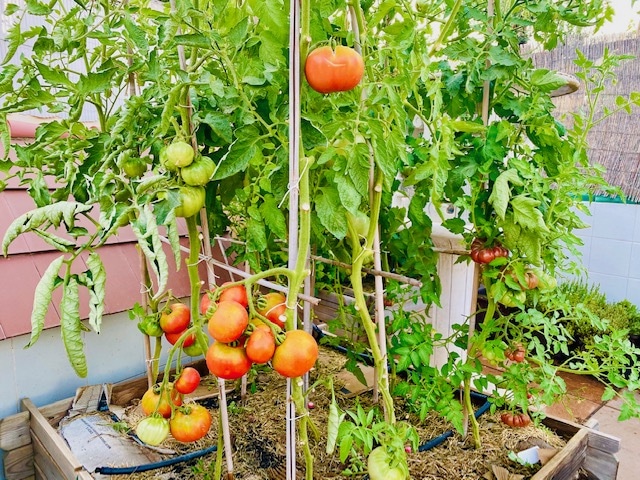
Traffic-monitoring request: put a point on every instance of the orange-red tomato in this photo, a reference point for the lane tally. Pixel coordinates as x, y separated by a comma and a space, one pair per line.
228, 322
187, 381
190, 423
261, 345
329, 70
515, 419
273, 306
296, 355
172, 338
237, 293
153, 401
176, 318
227, 362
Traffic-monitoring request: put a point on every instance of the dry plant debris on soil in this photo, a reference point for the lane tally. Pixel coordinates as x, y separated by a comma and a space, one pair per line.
259, 442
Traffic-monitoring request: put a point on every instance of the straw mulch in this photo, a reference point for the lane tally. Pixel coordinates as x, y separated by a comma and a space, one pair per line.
259, 441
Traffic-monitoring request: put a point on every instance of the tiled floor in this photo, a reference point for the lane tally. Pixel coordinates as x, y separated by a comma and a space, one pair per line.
583, 404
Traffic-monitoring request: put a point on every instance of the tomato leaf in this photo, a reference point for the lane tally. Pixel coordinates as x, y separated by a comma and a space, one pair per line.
71, 327
501, 192
256, 236
55, 241
348, 193
97, 290
42, 297
174, 237
526, 213
239, 155
54, 214
146, 231
331, 212
273, 217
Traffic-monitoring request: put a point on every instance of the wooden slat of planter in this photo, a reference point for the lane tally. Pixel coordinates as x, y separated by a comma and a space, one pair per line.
18, 463
45, 466
568, 461
603, 442
14, 431
600, 464
53, 446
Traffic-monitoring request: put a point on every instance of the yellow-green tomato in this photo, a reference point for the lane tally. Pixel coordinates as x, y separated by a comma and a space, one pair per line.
513, 299
199, 172
191, 201
379, 466
179, 154
153, 430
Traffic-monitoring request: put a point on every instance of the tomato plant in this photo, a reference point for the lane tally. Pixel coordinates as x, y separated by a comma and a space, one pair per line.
176, 318
228, 322
296, 355
328, 70
157, 399
153, 430
273, 307
190, 423
260, 345
187, 381
226, 361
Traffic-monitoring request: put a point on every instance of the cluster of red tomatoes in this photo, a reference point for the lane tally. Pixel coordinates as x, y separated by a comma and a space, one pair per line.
241, 342
486, 254
515, 419
165, 412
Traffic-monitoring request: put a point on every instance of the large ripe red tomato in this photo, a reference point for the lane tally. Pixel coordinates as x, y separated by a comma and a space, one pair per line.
329, 71
176, 319
190, 423
260, 345
187, 381
296, 355
228, 322
157, 400
205, 303
273, 306
227, 362
237, 293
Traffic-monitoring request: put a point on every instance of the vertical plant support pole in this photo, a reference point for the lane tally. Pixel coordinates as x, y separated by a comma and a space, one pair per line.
224, 414
144, 273
294, 178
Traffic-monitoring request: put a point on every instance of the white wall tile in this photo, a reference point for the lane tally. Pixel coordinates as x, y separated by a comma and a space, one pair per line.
634, 264
633, 291
615, 221
614, 287
611, 257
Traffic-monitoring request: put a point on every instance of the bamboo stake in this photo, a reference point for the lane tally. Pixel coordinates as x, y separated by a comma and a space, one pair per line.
224, 414
144, 275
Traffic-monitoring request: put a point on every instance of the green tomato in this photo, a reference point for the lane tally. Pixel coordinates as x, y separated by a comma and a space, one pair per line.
153, 430
513, 299
150, 326
164, 160
133, 167
379, 466
199, 172
193, 350
178, 154
191, 201
546, 282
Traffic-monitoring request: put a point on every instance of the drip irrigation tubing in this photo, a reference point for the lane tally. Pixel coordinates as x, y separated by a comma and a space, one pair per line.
152, 466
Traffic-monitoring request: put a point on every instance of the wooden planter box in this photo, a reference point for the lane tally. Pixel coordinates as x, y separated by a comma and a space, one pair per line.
34, 449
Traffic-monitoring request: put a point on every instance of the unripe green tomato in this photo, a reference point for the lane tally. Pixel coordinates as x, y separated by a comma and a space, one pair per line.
199, 172
164, 160
513, 299
191, 201
179, 154
379, 468
150, 326
153, 430
133, 167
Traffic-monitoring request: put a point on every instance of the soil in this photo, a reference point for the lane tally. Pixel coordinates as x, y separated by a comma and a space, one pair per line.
258, 436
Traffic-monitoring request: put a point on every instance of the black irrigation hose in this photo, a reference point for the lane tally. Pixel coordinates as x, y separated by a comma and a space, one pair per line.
152, 466
434, 442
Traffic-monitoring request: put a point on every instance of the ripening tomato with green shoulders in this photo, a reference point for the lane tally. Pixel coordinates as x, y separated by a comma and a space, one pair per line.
331, 70
273, 306
159, 400
152, 430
